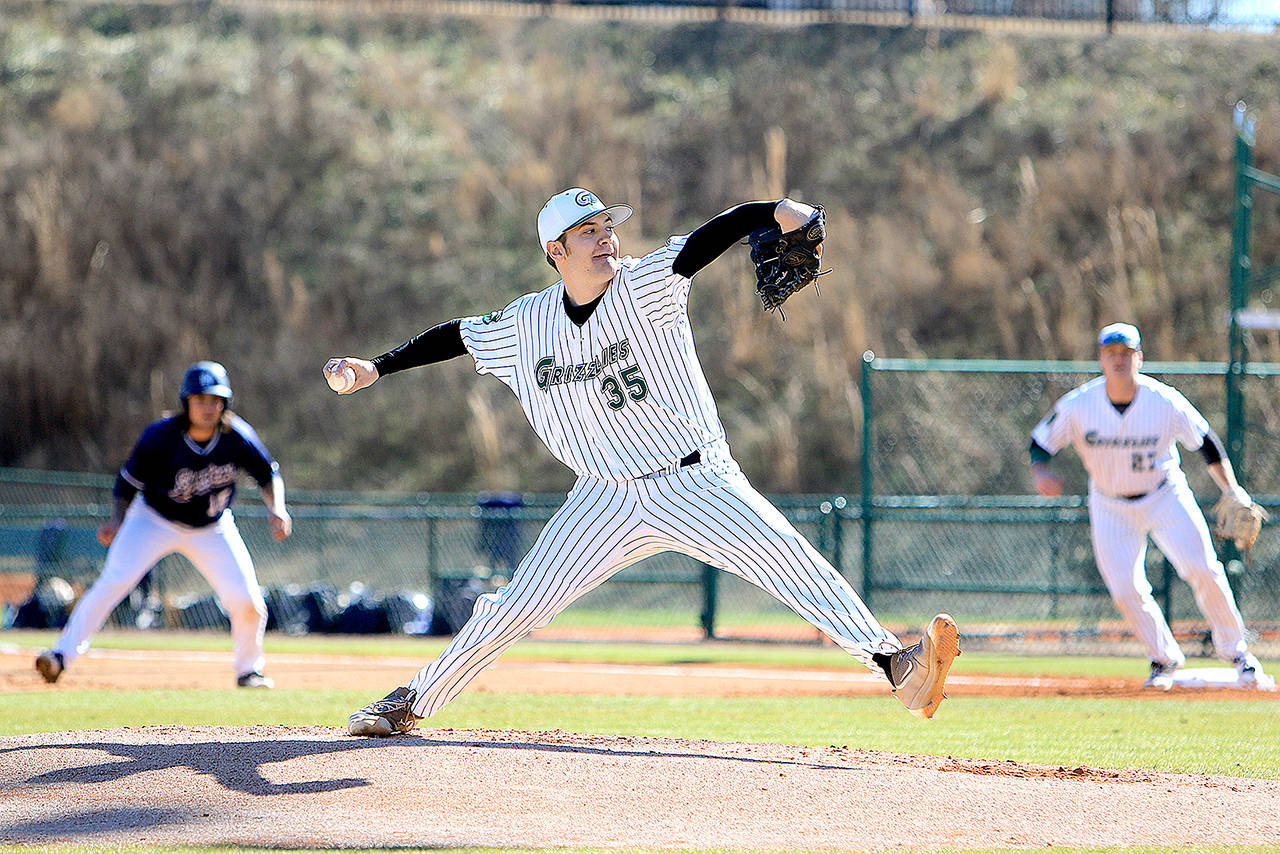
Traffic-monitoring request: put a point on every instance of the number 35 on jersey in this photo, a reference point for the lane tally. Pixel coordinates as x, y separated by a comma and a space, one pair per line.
628, 384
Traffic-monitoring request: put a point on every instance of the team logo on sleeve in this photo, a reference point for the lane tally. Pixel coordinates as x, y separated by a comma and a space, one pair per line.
492, 317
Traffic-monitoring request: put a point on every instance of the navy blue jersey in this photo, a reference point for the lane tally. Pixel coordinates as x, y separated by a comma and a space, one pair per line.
191, 483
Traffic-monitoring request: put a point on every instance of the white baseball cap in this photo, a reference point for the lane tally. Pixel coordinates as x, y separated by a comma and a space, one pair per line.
573, 207
1120, 333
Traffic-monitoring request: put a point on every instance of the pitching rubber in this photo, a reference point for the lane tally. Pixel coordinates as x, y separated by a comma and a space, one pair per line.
942, 645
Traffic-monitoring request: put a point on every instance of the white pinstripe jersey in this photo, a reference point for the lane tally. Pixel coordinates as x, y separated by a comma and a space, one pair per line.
621, 396
1129, 453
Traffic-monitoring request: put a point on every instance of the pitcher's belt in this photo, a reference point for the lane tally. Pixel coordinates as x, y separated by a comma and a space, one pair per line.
691, 460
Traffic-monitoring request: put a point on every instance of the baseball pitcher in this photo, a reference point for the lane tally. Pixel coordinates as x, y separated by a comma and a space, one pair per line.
1124, 426
603, 363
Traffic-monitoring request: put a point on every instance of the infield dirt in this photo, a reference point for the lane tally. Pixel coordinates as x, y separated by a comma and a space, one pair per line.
317, 787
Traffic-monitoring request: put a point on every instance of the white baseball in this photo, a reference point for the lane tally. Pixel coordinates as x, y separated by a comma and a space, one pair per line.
342, 380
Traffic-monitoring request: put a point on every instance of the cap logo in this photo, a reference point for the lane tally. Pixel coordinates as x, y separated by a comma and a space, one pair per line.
573, 207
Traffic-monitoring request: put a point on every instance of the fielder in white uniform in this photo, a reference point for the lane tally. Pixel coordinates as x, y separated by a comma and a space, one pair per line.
603, 363
174, 494
1124, 426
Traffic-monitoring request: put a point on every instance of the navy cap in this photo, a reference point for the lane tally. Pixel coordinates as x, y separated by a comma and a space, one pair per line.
1120, 333
205, 378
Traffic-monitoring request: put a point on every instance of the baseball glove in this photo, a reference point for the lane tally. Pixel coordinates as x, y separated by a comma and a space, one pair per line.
786, 263
1239, 519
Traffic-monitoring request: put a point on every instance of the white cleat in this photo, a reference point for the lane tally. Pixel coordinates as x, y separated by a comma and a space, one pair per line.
1250, 676
254, 680
1161, 676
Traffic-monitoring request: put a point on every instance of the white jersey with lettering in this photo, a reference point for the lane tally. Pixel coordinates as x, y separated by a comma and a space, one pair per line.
621, 396
623, 402
1129, 453
1138, 489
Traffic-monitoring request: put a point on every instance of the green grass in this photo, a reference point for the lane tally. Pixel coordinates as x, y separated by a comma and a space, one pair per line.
1183, 735
1177, 733
1173, 734
707, 652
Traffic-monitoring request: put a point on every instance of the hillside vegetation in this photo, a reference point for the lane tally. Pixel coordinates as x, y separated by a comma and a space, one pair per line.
179, 184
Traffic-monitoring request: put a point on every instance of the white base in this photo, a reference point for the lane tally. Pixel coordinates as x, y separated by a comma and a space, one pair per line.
1218, 677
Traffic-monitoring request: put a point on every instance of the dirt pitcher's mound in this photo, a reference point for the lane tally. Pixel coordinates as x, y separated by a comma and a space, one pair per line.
315, 786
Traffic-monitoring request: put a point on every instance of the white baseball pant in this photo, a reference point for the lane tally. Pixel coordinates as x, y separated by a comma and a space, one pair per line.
709, 512
1170, 515
217, 551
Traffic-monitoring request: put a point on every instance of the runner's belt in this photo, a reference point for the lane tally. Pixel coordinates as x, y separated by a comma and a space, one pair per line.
1143, 494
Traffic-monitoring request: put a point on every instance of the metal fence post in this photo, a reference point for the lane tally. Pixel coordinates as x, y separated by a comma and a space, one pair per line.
1242, 212
824, 535
1167, 576
433, 558
710, 600
837, 534
1054, 551
868, 577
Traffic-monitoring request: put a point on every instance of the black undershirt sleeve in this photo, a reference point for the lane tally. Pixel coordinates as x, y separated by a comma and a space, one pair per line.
1038, 453
710, 240
437, 344
1211, 448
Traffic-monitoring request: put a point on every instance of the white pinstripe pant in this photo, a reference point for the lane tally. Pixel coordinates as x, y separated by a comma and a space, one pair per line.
217, 551
1174, 521
709, 512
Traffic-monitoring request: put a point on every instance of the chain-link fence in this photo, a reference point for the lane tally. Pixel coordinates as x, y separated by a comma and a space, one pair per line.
943, 520
376, 562
947, 518
1141, 17
1109, 13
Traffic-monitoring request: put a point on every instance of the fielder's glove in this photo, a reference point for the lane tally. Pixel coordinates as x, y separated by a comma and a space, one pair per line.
786, 263
1239, 519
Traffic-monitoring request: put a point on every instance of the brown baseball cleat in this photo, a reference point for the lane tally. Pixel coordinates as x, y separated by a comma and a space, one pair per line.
50, 665
919, 672
391, 715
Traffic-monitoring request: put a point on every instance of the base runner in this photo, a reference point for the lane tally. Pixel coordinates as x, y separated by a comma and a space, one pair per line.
174, 494
603, 363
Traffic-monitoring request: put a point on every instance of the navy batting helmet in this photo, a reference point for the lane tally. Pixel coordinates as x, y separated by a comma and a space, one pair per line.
205, 378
